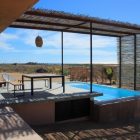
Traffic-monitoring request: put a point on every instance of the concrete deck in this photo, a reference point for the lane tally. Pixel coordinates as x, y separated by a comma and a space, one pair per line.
41, 93
40, 86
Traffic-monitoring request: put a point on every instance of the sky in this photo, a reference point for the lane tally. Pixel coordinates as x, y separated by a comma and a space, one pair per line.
18, 45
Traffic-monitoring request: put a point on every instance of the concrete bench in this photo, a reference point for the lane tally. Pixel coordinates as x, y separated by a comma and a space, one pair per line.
13, 127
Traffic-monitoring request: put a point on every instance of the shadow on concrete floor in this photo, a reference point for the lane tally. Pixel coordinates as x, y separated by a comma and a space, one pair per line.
88, 130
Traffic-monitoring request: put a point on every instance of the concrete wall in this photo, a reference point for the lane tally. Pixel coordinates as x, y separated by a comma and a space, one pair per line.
122, 111
36, 113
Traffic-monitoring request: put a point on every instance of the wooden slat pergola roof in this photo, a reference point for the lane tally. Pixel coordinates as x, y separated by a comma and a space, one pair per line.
60, 21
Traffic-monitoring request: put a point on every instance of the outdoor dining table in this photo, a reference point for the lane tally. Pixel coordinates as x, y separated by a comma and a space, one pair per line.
42, 76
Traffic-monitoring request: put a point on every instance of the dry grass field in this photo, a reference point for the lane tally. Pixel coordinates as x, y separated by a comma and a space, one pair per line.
16, 70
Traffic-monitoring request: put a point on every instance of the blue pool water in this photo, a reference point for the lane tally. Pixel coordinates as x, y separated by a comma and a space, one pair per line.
109, 93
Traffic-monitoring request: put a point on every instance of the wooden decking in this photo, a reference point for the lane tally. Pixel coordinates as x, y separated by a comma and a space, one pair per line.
88, 130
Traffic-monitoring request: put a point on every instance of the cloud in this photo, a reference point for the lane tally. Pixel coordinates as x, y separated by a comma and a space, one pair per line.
71, 40
8, 36
49, 38
78, 41
75, 45
5, 46
5, 39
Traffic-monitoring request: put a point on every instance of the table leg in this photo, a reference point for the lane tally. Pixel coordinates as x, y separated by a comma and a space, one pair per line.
22, 82
32, 86
45, 83
50, 82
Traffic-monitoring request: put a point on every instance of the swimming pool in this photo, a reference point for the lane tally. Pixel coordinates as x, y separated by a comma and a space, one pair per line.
109, 93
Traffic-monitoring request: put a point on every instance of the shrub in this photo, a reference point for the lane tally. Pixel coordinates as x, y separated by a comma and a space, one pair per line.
65, 72
41, 70
109, 73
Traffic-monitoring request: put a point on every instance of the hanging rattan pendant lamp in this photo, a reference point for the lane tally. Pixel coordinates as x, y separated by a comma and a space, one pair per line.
39, 41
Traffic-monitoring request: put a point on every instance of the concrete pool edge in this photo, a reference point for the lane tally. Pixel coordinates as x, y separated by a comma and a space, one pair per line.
120, 93
123, 109
116, 100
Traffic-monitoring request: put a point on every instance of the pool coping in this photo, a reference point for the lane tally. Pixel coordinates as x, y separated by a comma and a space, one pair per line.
55, 98
116, 100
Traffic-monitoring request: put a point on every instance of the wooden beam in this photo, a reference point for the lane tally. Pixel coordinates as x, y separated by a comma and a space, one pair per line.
51, 29
71, 26
75, 26
83, 18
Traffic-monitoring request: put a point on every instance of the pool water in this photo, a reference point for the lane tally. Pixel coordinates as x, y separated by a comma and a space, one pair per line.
109, 93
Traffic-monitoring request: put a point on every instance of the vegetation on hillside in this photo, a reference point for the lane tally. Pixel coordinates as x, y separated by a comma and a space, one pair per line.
102, 73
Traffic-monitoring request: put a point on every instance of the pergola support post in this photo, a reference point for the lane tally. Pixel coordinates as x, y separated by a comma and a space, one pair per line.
120, 62
135, 59
91, 68
62, 47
